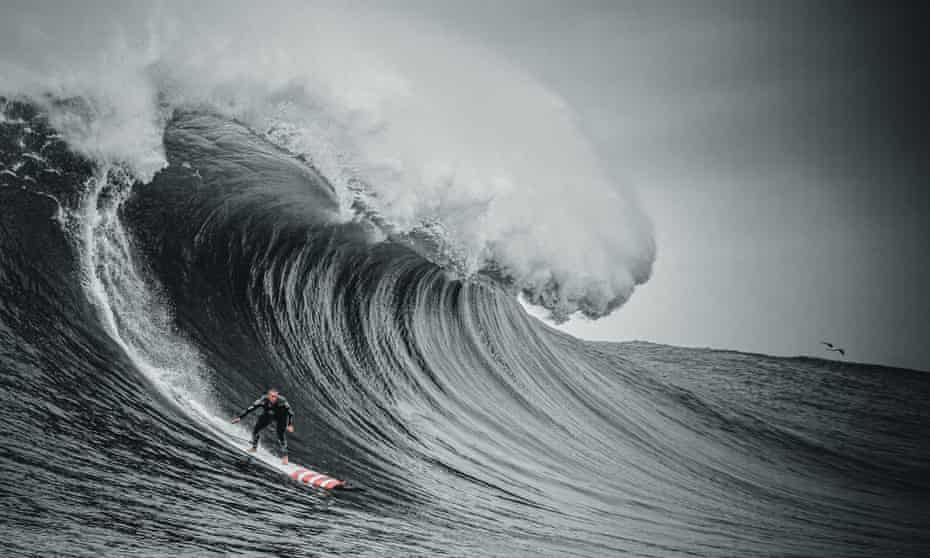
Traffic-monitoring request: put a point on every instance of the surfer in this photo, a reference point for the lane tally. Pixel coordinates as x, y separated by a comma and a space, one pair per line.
274, 408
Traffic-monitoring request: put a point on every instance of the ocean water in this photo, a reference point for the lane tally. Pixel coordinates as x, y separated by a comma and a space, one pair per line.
137, 316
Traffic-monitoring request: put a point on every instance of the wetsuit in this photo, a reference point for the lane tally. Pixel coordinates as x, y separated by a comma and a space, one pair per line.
279, 411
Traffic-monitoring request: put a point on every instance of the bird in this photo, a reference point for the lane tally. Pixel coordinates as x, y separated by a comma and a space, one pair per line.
833, 348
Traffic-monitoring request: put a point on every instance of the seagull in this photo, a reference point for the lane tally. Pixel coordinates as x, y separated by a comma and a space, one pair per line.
833, 348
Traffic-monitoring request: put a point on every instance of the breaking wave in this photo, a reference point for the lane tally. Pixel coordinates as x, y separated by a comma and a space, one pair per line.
205, 206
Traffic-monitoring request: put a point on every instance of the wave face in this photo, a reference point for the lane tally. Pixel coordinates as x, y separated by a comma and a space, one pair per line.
179, 231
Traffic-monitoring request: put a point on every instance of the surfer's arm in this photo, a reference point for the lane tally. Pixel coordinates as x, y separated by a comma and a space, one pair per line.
252, 407
290, 414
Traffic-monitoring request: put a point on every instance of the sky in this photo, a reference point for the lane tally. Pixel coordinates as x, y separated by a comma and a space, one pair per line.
781, 152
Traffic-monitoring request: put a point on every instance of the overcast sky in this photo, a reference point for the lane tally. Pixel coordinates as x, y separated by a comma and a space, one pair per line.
780, 149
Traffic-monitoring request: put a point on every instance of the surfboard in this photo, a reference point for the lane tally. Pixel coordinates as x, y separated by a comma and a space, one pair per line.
312, 478
302, 474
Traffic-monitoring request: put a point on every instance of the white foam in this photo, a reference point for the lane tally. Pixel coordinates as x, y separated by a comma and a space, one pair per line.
130, 308
433, 132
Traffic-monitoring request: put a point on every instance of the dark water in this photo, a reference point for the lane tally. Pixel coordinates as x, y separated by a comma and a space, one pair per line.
135, 319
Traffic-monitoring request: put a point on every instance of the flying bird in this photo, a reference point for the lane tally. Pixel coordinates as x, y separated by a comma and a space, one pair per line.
833, 348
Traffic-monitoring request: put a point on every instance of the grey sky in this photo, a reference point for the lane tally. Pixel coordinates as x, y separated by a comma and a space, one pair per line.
781, 153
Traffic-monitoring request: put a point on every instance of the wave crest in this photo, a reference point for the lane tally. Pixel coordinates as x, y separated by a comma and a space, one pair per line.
435, 136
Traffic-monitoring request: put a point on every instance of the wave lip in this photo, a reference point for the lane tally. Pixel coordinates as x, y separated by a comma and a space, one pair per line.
432, 134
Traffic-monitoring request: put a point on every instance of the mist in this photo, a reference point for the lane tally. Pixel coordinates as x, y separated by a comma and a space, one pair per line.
434, 133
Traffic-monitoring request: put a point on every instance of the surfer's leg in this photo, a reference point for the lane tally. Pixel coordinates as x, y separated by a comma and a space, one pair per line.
282, 438
282, 435
260, 425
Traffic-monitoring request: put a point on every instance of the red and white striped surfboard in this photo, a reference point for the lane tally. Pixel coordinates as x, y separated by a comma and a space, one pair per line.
312, 478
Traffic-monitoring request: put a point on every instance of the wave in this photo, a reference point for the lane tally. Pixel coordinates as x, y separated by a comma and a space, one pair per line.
438, 137
249, 232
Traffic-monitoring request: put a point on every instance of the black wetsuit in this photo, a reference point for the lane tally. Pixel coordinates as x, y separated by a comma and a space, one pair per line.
279, 411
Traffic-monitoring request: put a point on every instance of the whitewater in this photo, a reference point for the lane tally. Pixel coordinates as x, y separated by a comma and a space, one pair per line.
196, 206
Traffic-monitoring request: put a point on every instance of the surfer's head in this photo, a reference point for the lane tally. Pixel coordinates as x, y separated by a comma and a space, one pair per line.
272, 395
